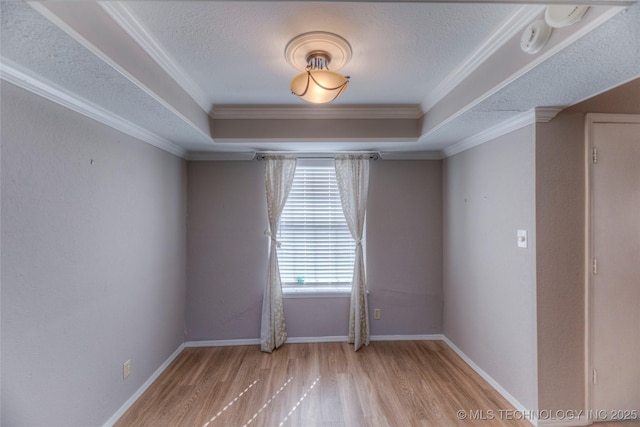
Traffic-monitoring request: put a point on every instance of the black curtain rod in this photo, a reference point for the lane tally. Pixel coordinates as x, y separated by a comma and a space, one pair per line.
371, 156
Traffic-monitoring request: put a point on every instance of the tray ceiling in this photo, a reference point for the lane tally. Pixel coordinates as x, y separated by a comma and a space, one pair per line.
209, 79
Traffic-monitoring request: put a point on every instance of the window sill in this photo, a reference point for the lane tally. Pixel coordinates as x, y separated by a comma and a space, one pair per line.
316, 292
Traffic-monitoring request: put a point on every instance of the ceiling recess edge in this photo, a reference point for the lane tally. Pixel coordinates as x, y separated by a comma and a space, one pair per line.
24, 79
124, 17
514, 25
536, 60
58, 21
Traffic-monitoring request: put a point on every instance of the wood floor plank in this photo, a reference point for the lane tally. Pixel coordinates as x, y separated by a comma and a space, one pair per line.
351, 409
396, 384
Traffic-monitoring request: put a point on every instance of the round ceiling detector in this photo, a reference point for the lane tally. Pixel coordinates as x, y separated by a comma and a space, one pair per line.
535, 37
559, 16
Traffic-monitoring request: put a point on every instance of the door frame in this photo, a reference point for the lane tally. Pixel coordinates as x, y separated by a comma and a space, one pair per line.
592, 119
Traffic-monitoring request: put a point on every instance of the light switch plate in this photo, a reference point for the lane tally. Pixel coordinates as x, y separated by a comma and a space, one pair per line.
126, 369
523, 240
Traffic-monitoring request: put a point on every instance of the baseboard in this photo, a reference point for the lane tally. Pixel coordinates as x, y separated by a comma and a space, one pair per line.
223, 343
512, 400
294, 340
299, 340
120, 412
552, 422
431, 337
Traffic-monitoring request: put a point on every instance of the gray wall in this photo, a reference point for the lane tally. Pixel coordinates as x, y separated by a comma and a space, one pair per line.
227, 254
93, 263
226, 249
560, 261
404, 247
94, 258
560, 222
490, 283
621, 100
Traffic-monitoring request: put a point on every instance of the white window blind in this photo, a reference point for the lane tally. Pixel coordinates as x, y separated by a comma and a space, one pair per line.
317, 248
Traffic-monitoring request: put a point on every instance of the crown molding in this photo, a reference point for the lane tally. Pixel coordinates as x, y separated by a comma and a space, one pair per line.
546, 114
124, 17
411, 155
15, 74
528, 2
221, 156
496, 40
585, 28
303, 112
546, 54
514, 123
43, 9
231, 156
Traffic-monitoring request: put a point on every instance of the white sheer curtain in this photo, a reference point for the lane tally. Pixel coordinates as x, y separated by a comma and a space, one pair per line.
279, 172
352, 174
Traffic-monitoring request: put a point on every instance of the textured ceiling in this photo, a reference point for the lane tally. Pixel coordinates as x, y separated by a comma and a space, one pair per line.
35, 44
459, 64
235, 51
602, 59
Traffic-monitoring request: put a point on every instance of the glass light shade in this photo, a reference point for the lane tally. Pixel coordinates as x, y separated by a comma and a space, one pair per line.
319, 86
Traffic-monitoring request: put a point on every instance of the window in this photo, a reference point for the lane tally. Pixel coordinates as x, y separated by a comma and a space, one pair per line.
317, 252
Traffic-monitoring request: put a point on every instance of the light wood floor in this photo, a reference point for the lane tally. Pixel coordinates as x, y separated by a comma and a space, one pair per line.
410, 383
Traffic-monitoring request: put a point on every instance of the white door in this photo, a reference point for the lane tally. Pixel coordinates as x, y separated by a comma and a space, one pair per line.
615, 279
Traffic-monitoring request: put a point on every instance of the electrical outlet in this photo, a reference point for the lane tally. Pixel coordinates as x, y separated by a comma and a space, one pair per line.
376, 314
126, 369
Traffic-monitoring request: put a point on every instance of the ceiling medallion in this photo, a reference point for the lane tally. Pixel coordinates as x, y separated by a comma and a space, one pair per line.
313, 53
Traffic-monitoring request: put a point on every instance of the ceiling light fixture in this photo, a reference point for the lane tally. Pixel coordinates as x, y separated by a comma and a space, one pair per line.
312, 53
